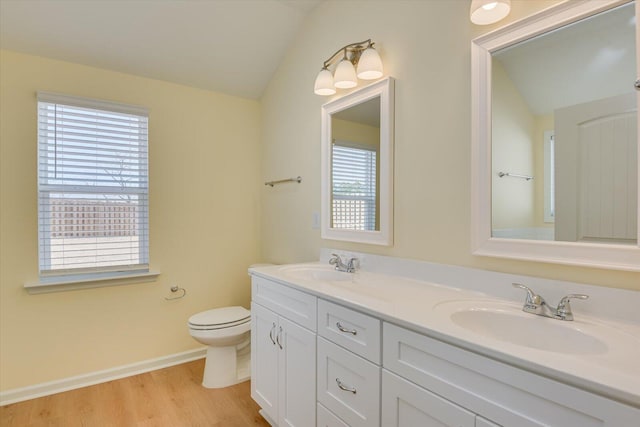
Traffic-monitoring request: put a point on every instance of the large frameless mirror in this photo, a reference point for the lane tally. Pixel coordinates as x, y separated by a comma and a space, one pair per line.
555, 149
357, 160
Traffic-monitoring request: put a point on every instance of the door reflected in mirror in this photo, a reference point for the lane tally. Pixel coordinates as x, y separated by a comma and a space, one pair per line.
564, 133
355, 181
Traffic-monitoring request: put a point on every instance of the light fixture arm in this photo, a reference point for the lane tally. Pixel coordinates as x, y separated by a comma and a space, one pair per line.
356, 49
356, 61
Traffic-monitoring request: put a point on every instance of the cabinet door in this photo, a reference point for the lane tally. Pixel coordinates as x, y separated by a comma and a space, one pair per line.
264, 359
327, 419
297, 369
404, 404
482, 422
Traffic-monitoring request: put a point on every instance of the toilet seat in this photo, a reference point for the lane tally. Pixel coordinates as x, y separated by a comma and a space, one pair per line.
220, 318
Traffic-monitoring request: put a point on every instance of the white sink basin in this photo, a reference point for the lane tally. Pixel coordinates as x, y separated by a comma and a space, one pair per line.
528, 331
507, 323
317, 272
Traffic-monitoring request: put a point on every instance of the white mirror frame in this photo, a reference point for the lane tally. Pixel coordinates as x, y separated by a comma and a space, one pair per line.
385, 90
609, 256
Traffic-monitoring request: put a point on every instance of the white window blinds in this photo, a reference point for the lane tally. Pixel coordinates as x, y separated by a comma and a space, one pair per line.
354, 187
92, 186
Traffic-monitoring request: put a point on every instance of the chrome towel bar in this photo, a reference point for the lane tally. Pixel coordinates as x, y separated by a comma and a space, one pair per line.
515, 175
297, 179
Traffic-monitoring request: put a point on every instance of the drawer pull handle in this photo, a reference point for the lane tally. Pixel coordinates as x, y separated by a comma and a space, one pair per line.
271, 334
278, 337
345, 330
344, 387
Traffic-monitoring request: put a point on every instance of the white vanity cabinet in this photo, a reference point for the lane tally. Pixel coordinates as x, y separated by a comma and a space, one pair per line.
504, 394
321, 363
283, 357
349, 357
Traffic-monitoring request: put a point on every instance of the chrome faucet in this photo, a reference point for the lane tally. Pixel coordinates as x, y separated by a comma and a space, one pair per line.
349, 267
535, 304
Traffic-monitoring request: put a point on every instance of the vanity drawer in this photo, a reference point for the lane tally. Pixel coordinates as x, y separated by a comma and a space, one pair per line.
404, 404
354, 331
505, 394
327, 419
293, 304
348, 385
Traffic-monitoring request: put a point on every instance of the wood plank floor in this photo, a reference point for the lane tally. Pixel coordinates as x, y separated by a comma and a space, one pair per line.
166, 397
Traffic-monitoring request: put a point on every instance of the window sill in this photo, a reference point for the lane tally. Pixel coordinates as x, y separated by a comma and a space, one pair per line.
87, 281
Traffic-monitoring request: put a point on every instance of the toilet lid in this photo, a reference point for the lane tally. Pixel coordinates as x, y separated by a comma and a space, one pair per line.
227, 316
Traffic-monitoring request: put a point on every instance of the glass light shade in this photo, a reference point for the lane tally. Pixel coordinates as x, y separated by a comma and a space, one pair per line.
369, 65
485, 12
324, 83
345, 75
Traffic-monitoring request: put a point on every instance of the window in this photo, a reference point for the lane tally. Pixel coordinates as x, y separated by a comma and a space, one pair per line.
354, 186
549, 177
92, 186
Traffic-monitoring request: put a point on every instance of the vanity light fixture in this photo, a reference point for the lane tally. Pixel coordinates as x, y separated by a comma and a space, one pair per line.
485, 12
359, 61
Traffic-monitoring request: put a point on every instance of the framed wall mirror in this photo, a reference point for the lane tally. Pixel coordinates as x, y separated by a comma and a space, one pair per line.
555, 139
357, 165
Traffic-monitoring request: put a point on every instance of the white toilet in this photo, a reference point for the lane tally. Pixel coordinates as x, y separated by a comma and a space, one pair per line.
227, 332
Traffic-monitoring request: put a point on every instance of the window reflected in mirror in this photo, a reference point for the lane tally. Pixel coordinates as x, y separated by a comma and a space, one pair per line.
355, 196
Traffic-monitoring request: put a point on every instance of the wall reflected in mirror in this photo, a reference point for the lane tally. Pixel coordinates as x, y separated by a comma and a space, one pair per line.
564, 133
355, 165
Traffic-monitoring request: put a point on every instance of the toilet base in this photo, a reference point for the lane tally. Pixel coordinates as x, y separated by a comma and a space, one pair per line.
224, 367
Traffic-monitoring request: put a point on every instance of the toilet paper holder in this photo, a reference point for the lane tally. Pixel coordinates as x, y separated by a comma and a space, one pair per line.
175, 289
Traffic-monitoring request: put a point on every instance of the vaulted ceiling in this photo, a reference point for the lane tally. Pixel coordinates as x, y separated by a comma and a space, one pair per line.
228, 46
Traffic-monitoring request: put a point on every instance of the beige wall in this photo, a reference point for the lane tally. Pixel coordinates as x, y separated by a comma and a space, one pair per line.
204, 151
512, 151
344, 130
425, 45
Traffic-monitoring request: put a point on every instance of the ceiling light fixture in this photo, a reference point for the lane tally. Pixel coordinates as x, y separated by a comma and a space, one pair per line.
485, 12
359, 61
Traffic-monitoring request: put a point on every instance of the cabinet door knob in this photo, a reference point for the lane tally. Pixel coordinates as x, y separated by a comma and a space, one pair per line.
278, 337
341, 386
345, 330
637, 84
273, 328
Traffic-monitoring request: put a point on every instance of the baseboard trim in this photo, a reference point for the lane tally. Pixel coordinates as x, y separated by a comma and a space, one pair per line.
58, 386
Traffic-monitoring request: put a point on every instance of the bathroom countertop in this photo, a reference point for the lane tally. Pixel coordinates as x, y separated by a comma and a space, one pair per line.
421, 306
